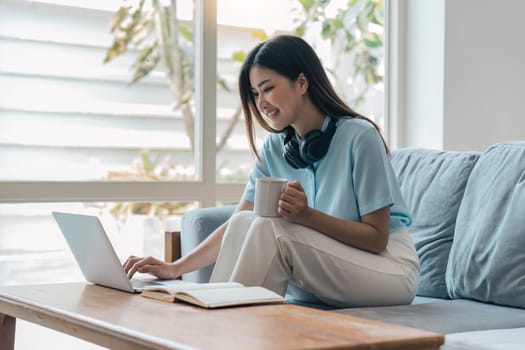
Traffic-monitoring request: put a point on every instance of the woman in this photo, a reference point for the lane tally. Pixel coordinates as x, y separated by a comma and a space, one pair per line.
343, 237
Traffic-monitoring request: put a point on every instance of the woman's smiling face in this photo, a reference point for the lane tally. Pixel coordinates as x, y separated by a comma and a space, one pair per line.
276, 97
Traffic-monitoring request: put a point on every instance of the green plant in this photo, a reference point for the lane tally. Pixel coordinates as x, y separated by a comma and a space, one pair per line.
154, 29
350, 32
148, 167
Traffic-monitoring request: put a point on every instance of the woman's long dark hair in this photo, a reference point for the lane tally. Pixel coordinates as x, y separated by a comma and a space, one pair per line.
289, 56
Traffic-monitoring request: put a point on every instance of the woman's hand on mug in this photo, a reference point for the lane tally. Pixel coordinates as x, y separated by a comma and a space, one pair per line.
293, 204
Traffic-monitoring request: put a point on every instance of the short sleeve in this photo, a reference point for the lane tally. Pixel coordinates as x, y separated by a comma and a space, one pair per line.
370, 172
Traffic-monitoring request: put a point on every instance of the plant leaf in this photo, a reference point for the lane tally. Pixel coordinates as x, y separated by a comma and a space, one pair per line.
186, 33
259, 34
239, 56
146, 62
119, 47
307, 4
373, 40
118, 17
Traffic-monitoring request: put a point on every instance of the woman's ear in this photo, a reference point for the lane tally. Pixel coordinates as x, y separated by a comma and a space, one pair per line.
302, 83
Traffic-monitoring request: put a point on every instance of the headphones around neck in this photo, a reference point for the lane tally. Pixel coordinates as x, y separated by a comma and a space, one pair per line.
310, 149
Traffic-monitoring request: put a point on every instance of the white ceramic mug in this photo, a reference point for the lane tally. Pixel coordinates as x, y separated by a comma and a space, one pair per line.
267, 194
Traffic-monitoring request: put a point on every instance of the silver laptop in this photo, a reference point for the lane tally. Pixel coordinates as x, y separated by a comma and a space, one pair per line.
94, 253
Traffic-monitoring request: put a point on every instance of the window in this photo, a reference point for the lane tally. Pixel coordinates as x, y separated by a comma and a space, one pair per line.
75, 133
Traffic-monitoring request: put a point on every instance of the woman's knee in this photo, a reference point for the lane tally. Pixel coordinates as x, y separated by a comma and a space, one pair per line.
239, 223
244, 217
263, 224
245, 225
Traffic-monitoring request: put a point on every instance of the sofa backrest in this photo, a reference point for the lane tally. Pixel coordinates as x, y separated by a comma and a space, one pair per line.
432, 183
487, 258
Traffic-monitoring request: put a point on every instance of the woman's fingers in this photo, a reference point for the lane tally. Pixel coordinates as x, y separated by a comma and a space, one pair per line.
143, 265
293, 201
296, 185
128, 264
133, 267
293, 193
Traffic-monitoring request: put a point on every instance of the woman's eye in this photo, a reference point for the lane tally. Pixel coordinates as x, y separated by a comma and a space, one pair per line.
267, 89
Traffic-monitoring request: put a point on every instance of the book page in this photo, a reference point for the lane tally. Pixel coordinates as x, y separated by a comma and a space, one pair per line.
186, 286
211, 298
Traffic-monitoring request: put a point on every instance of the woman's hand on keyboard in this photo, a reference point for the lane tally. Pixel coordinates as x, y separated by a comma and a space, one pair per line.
149, 265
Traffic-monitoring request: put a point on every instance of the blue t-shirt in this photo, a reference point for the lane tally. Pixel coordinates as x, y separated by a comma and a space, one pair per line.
353, 179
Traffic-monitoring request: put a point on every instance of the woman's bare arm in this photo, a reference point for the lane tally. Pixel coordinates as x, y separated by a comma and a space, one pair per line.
204, 254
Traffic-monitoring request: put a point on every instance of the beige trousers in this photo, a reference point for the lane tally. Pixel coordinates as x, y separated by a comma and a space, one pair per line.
271, 252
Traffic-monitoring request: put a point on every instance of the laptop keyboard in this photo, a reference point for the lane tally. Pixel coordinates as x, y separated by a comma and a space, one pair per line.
142, 284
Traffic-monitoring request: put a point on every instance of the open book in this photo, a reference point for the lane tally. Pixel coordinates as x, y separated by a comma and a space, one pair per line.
213, 295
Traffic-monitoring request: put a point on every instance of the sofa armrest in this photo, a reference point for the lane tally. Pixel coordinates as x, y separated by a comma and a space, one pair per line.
171, 246
182, 236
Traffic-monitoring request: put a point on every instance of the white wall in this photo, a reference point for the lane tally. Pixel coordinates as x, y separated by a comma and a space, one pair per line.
465, 73
484, 73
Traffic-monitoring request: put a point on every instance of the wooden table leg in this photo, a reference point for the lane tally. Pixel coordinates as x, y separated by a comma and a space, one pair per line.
7, 332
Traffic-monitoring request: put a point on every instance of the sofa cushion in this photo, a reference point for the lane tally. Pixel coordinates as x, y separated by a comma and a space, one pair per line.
487, 258
495, 339
432, 183
445, 316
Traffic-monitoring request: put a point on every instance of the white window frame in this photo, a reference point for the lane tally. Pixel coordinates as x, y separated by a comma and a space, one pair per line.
395, 68
206, 190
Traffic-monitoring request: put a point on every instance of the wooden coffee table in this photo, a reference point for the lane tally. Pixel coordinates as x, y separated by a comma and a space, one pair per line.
119, 320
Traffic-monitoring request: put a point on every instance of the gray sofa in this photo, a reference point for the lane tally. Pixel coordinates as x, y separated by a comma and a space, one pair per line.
469, 232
